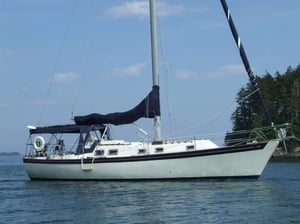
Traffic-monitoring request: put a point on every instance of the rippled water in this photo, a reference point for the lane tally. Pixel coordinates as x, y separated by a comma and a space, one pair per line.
274, 198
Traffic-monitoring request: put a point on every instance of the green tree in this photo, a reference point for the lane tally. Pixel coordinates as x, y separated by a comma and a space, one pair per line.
281, 94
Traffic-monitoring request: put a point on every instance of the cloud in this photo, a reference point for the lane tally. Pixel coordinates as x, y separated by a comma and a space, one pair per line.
6, 58
185, 74
218, 73
4, 105
65, 78
140, 8
24, 88
235, 69
132, 70
228, 70
39, 103
165, 9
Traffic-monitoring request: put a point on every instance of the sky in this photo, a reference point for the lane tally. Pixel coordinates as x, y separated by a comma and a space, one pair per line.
64, 58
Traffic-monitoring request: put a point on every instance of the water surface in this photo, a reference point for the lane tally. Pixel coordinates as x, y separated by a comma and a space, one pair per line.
274, 198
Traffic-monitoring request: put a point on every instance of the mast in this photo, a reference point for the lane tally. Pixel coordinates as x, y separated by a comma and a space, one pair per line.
244, 59
152, 6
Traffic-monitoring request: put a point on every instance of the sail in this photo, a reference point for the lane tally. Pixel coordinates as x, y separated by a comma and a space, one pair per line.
147, 108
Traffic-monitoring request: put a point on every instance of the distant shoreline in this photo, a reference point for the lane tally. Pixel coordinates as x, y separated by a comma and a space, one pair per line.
10, 154
286, 158
283, 157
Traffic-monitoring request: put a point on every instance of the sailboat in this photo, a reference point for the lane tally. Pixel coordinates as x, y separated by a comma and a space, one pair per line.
85, 150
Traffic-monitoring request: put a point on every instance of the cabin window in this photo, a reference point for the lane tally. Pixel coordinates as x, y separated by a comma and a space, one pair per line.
157, 143
113, 152
142, 151
190, 147
99, 152
159, 149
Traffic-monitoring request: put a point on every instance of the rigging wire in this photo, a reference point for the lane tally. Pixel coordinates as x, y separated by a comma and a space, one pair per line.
166, 76
244, 58
214, 118
57, 61
85, 63
226, 110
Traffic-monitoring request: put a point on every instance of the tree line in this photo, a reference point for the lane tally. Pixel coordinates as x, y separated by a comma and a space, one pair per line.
281, 93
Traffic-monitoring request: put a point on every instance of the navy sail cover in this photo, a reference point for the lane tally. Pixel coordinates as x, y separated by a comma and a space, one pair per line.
147, 108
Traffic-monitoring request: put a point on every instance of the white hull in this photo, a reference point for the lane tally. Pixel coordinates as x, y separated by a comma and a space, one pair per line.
93, 155
237, 162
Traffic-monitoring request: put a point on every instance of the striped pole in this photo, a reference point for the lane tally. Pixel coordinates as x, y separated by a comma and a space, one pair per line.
244, 58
